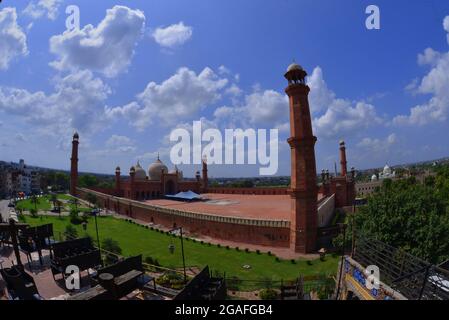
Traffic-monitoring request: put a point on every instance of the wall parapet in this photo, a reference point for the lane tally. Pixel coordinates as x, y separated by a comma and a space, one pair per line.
193, 214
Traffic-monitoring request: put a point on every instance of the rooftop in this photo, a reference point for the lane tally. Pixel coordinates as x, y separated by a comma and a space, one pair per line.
266, 207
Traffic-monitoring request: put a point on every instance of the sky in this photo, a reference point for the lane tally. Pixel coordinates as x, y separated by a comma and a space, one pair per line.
135, 70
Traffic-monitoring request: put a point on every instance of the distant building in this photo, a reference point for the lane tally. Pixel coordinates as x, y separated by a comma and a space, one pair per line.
387, 173
15, 178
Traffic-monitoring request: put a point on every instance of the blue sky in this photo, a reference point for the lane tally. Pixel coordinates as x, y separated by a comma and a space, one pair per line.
383, 91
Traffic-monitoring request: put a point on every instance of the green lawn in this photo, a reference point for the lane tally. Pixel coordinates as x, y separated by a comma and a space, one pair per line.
135, 239
45, 203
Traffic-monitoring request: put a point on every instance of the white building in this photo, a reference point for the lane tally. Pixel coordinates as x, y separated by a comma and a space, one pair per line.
387, 173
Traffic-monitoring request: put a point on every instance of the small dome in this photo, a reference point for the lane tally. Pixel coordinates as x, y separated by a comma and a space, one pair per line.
374, 177
117, 169
294, 66
387, 169
155, 170
140, 172
342, 142
76, 135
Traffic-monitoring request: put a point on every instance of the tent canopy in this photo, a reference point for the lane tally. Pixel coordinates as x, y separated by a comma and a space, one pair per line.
188, 195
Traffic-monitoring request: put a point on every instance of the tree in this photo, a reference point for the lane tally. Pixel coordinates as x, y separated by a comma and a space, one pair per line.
75, 202
92, 199
70, 232
111, 246
35, 200
87, 181
54, 199
411, 216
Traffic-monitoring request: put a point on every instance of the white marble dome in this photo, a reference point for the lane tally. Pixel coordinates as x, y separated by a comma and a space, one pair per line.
140, 172
155, 170
294, 66
374, 178
387, 170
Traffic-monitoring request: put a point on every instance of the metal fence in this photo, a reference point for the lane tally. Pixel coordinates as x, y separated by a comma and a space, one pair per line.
413, 277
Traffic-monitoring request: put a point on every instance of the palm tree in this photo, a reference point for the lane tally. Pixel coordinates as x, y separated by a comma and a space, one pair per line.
75, 202
54, 199
34, 200
92, 199
59, 204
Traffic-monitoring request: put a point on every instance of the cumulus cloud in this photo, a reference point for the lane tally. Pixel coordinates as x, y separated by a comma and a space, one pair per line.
260, 109
41, 8
173, 35
341, 116
121, 144
77, 103
435, 83
378, 145
13, 41
179, 97
320, 97
107, 48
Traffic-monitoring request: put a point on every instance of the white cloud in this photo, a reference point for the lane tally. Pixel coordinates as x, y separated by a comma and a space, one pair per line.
260, 109
121, 144
178, 98
38, 9
12, 38
77, 103
435, 83
173, 35
320, 97
20, 137
446, 26
375, 146
107, 48
344, 118
341, 116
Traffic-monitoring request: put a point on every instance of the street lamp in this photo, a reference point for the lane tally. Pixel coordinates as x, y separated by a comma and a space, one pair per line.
171, 249
94, 213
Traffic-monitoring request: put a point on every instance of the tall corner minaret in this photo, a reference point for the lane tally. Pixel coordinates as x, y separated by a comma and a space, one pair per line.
117, 181
74, 165
343, 162
205, 177
304, 190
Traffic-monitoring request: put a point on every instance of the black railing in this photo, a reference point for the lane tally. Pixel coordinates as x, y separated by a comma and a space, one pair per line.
413, 277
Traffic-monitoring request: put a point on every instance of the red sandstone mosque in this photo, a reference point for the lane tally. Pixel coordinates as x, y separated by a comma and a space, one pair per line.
276, 217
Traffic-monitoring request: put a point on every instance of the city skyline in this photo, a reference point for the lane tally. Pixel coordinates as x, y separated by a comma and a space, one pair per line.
172, 68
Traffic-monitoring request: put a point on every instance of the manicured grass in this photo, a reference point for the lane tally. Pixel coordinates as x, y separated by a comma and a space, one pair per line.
42, 205
135, 239
45, 203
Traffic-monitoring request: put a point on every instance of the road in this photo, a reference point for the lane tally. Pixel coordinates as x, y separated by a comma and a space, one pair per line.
4, 210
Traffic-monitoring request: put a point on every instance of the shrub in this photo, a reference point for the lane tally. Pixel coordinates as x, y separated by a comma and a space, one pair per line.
237, 248
70, 232
258, 251
149, 260
113, 247
268, 294
219, 245
202, 242
246, 250
227, 247
309, 263
277, 259
293, 261
74, 217
33, 213
269, 253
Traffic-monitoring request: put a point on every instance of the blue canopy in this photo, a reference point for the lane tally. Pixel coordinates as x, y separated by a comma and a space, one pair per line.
188, 195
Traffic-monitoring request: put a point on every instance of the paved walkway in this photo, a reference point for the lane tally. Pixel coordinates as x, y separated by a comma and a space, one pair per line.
4, 210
